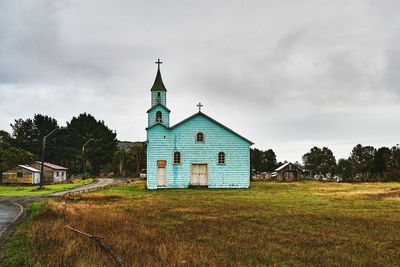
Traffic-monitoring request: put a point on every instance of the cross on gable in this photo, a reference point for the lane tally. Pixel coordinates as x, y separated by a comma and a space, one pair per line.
200, 106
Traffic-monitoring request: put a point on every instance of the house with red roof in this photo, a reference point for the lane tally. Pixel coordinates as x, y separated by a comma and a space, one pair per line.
52, 173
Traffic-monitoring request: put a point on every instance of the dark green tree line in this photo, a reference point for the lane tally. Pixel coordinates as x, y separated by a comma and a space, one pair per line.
263, 160
320, 161
64, 146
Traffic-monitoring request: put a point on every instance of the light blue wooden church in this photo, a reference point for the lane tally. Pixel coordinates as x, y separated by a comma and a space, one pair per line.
198, 151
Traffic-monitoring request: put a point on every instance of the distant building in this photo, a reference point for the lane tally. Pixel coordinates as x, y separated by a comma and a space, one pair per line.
52, 173
21, 174
288, 172
198, 151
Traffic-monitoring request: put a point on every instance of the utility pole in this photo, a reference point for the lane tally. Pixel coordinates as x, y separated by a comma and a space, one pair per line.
43, 153
84, 158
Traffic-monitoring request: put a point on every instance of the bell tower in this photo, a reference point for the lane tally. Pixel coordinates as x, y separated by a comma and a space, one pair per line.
158, 113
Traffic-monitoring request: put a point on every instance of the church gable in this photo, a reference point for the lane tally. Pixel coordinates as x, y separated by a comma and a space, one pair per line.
207, 122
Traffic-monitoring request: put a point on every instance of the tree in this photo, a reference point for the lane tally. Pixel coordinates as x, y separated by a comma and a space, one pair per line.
320, 161
269, 160
13, 156
345, 169
394, 164
99, 153
363, 160
138, 153
10, 155
5, 139
256, 159
28, 135
312, 160
381, 162
328, 161
263, 160
129, 162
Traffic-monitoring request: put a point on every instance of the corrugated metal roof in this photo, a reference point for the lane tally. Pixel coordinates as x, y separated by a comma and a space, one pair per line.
283, 166
52, 166
29, 168
286, 164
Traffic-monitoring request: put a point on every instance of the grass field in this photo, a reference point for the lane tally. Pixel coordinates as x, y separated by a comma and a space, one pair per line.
32, 190
271, 224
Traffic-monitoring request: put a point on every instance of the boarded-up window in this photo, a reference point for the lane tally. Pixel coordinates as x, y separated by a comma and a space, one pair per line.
161, 163
177, 157
221, 158
200, 137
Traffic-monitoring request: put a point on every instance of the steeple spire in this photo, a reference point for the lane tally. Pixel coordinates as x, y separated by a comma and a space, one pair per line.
158, 83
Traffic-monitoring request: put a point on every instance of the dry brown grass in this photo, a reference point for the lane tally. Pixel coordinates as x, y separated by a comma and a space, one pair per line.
274, 224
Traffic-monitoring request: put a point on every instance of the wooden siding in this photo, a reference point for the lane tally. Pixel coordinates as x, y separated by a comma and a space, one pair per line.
49, 173
10, 176
163, 98
162, 143
152, 116
283, 175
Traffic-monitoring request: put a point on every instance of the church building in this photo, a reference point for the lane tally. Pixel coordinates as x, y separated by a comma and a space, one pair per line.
198, 151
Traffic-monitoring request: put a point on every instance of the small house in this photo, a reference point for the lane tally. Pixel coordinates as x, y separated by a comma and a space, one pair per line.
21, 174
288, 172
52, 173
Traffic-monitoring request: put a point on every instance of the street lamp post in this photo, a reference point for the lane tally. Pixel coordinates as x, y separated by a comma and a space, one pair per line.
43, 153
83, 157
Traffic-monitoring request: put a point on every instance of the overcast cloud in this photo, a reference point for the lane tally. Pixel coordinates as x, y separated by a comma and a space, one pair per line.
287, 75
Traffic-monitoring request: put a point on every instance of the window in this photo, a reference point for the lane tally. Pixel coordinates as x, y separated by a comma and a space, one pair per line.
221, 158
177, 157
158, 116
58, 174
200, 137
20, 175
158, 97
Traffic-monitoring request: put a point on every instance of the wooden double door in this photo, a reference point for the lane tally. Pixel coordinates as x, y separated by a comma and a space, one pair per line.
199, 175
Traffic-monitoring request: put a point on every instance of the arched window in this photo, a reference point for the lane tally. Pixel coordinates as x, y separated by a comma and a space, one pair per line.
158, 116
200, 137
177, 157
221, 158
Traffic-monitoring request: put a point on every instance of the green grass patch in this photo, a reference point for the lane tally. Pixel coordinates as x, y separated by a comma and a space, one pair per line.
32, 190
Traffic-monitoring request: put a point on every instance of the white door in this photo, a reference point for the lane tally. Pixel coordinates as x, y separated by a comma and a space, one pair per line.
199, 175
161, 176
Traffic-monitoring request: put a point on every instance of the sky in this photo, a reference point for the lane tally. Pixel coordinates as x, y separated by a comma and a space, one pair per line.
288, 75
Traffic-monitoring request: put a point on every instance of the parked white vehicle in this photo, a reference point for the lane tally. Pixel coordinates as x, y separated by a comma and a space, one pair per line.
143, 174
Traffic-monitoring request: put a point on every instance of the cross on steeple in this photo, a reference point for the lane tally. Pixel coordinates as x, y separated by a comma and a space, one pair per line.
200, 106
158, 62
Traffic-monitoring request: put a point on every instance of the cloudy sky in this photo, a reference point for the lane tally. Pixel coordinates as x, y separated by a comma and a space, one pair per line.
286, 74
